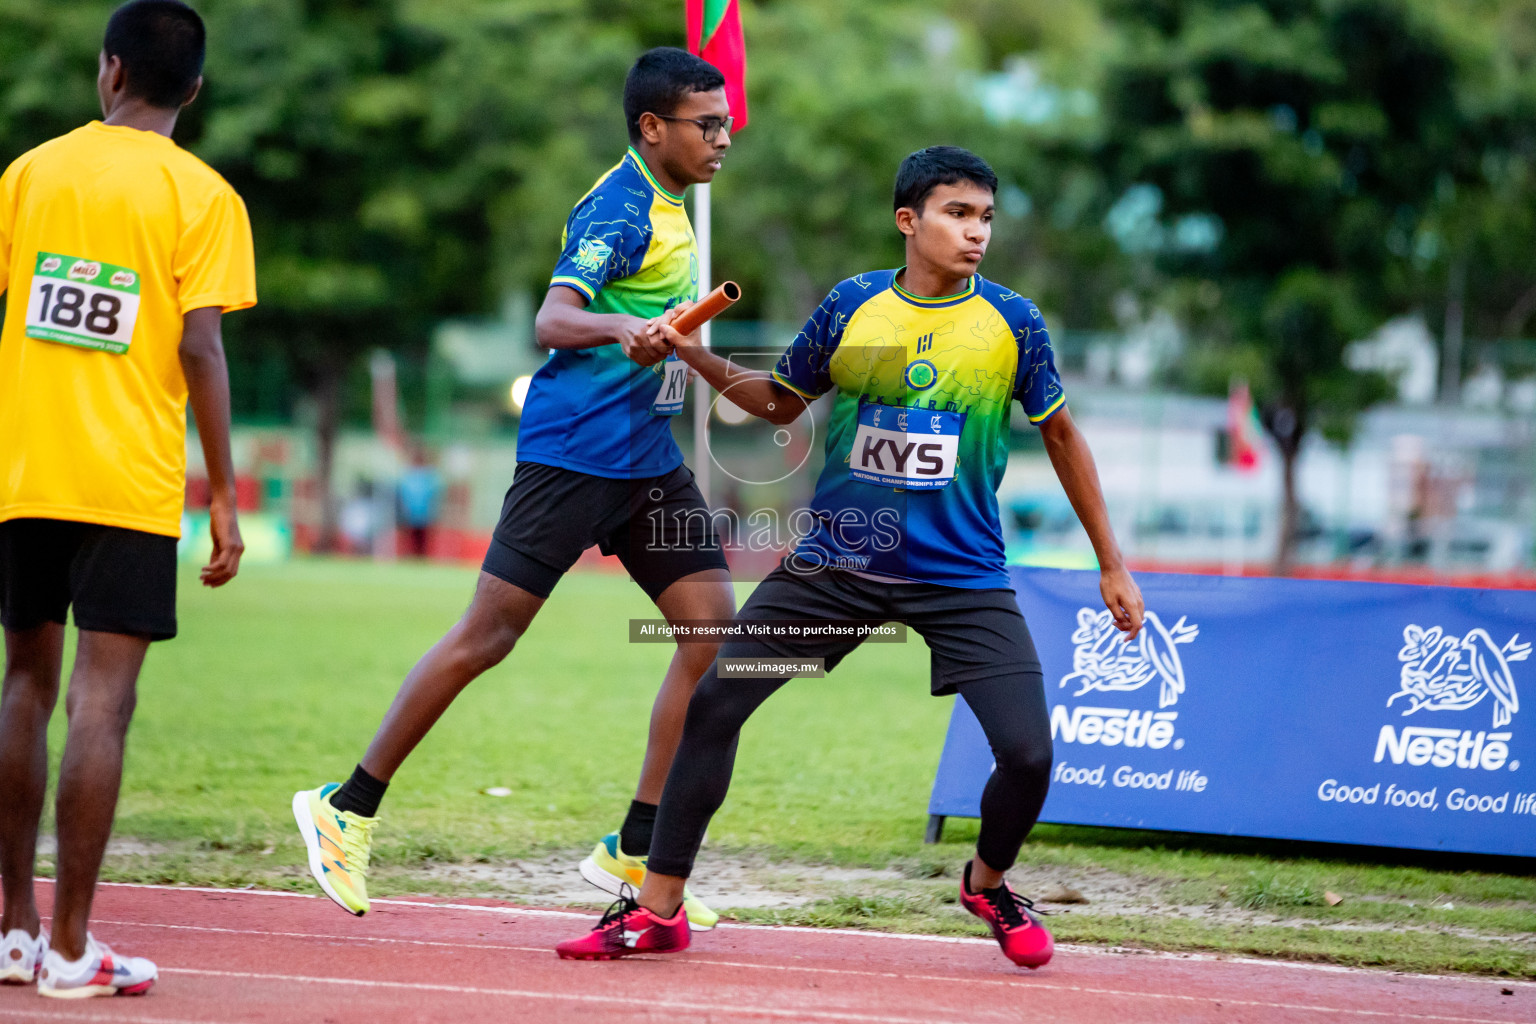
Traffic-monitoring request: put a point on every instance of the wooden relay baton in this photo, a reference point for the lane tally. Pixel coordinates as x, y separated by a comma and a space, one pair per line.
709, 307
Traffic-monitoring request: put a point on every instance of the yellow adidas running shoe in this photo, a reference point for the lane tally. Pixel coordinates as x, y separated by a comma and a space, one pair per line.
338, 844
609, 867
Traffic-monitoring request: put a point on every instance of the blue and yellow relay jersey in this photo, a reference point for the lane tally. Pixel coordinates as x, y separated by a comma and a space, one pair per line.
628, 248
918, 438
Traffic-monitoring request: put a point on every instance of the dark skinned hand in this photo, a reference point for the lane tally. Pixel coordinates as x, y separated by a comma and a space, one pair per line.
227, 545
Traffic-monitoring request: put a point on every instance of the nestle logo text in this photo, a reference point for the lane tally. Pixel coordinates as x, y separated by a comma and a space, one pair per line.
1443, 748
1113, 727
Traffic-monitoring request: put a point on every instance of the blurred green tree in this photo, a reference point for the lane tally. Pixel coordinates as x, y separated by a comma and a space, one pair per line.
1319, 163
409, 160
402, 161
1309, 130
314, 111
1469, 257
840, 94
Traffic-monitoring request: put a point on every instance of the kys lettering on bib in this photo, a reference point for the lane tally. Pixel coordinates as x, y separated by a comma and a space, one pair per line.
896, 446
83, 302
674, 387
674, 383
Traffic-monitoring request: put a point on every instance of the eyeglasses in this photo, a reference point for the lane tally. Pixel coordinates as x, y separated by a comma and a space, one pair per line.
709, 125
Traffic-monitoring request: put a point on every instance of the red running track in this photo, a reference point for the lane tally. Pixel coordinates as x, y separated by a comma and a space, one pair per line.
238, 956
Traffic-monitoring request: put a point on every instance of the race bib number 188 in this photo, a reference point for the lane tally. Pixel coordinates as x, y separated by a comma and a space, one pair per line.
82, 302
911, 448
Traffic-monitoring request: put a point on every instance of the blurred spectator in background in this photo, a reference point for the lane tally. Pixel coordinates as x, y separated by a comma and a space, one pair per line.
421, 490
357, 519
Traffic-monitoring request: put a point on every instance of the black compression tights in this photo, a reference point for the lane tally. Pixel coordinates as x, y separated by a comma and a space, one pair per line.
1011, 710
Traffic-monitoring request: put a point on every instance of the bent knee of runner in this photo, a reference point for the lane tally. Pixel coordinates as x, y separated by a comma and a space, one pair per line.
697, 655
479, 646
87, 705
30, 685
1025, 758
715, 713
490, 651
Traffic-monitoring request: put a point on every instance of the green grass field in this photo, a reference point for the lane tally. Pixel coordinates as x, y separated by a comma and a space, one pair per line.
278, 681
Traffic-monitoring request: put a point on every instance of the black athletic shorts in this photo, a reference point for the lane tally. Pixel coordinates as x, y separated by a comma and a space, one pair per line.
117, 580
659, 527
971, 634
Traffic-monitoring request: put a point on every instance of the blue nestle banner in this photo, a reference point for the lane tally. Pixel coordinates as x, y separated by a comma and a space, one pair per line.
1292, 709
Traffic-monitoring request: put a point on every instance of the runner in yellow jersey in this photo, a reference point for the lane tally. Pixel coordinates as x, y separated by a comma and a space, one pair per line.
119, 252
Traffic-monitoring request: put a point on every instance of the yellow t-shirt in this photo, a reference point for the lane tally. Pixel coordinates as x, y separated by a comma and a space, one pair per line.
108, 236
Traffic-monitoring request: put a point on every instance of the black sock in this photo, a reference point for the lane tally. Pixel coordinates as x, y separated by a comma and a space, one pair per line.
974, 891
360, 794
635, 834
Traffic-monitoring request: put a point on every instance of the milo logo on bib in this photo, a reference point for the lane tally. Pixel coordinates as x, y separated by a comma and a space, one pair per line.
83, 302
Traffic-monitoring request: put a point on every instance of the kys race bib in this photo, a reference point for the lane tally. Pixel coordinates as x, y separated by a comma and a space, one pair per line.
674, 387
900, 447
82, 302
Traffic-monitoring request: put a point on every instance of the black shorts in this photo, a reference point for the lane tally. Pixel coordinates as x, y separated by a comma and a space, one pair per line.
659, 527
117, 580
971, 634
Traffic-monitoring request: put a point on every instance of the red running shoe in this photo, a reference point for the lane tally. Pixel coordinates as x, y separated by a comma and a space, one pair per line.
1017, 929
626, 929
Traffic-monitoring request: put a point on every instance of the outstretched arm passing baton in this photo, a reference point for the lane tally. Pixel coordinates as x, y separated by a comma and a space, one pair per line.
753, 391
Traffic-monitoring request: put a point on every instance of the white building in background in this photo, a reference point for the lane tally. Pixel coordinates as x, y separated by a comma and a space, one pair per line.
1450, 489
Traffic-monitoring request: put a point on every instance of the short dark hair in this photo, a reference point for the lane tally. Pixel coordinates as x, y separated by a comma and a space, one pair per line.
161, 44
927, 169
661, 79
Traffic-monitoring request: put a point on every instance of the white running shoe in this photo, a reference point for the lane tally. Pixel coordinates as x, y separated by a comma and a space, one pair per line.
100, 972
20, 956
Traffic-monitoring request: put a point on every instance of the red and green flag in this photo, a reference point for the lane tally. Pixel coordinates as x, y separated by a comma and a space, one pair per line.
1243, 428
714, 33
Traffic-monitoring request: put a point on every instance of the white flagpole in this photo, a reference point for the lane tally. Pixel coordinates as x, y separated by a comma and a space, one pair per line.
701, 392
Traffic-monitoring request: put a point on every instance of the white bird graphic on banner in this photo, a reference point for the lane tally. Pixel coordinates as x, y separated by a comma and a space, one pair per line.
1452, 673
1101, 662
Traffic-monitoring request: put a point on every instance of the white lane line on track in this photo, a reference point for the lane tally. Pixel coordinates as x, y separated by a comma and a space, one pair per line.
704, 961
714, 1009
698, 958
324, 938
711, 1009
1027, 983
54, 1012
732, 926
